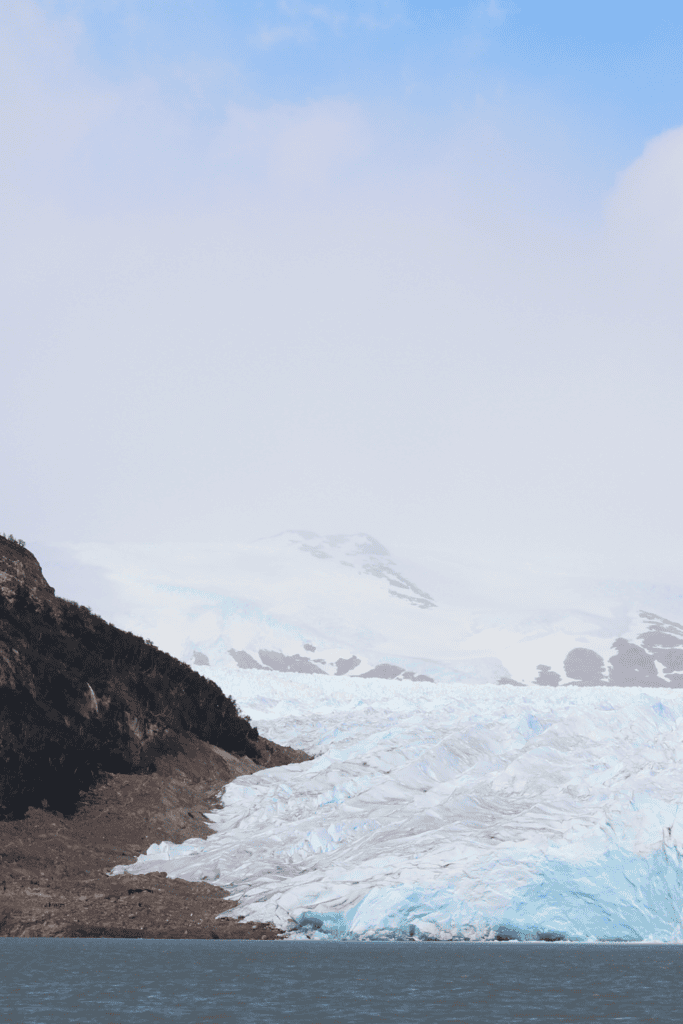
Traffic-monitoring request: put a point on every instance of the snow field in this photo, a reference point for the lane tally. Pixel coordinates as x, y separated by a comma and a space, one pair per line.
451, 811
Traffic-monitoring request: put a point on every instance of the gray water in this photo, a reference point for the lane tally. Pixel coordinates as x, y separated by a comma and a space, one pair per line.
126, 981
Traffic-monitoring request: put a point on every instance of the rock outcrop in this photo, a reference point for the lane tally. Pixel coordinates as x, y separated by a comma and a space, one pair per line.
79, 697
279, 662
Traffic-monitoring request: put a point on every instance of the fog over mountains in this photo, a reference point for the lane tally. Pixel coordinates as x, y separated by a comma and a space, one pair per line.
344, 605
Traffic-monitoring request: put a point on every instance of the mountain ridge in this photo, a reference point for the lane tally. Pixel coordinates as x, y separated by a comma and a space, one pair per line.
367, 556
307, 603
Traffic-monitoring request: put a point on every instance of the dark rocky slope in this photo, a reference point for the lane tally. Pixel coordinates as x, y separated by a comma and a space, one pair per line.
106, 746
79, 696
656, 661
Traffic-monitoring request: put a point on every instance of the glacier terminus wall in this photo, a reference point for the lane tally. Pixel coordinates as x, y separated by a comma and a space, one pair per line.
452, 811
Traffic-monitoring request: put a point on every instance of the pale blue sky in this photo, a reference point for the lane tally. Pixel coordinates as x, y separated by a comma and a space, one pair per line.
615, 66
388, 267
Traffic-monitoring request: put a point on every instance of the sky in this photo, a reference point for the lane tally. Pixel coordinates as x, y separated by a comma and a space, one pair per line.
401, 268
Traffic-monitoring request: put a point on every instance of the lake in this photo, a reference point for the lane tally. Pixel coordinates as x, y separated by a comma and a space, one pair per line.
126, 981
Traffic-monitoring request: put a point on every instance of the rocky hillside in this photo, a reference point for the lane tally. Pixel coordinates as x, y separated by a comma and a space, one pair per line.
79, 697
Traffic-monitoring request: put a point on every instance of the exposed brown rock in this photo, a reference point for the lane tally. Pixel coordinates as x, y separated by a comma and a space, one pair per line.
53, 874
19, 567
107, 745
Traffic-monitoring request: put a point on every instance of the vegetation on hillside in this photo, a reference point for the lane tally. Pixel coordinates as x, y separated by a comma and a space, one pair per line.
13, 540
79, 696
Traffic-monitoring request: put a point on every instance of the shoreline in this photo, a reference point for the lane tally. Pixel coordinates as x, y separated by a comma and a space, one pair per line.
54, 881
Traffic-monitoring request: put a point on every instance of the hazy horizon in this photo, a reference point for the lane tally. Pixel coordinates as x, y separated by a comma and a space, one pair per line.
345, 267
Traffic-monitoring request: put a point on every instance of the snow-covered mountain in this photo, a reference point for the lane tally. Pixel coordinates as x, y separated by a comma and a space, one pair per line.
347, 556
364, 555
343, 605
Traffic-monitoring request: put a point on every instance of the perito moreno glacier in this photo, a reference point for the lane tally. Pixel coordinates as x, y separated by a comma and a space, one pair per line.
442, 801
442, 811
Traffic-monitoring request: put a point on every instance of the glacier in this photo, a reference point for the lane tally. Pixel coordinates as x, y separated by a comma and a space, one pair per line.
451, 811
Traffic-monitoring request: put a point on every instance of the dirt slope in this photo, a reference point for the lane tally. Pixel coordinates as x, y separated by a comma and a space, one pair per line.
53, 868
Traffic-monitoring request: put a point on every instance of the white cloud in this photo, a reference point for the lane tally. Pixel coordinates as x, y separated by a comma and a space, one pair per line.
304, 317
333, 18
274, 35
495, 11
648, 198
289, 144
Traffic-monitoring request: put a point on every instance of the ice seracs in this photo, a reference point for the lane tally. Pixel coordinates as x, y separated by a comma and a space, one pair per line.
448, 811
